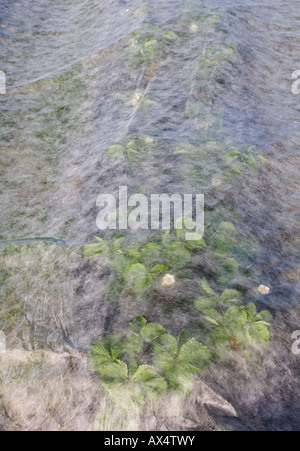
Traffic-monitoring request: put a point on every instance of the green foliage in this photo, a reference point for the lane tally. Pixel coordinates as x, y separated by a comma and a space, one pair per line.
122, 362
229, 270
115, 151
138, 265
170, 35
138, 277
179, 365
176, 254
12, 311
151, 331
131, 149
151, 254
190, 151
230, 266
201, 162
232, 324
237, 160
137, 324
92, 250
130, 391
149, 44
158, 269
213, 163
226, 238
194, 357
181, 234
241, 326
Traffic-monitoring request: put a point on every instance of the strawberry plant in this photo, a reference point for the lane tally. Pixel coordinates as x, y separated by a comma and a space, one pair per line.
232, 324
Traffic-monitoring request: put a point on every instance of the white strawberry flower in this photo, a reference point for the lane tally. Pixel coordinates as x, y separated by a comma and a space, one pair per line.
149, 140
216, 182
137, 98
168, 280
263, 289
